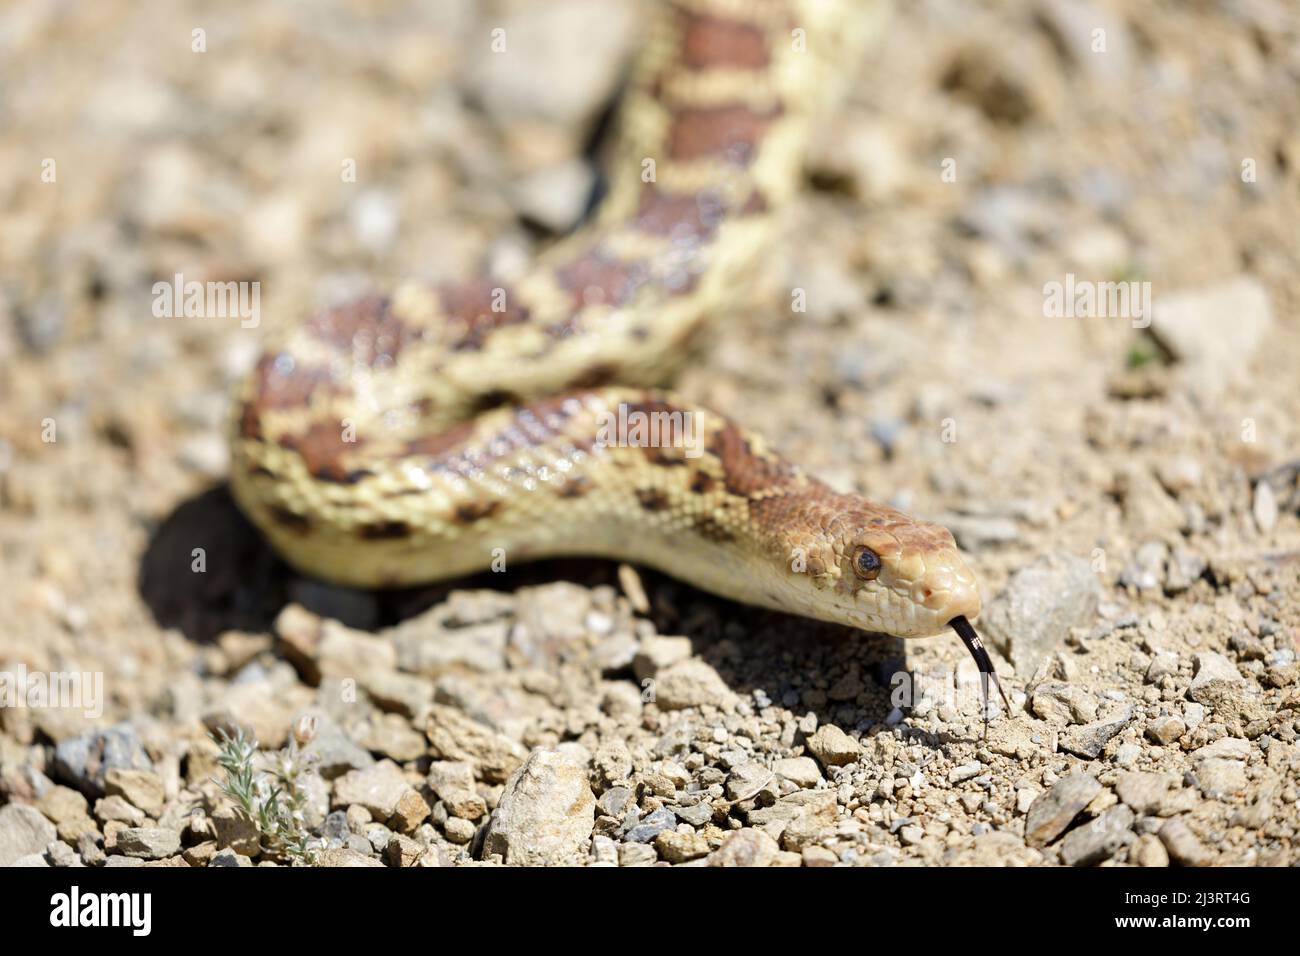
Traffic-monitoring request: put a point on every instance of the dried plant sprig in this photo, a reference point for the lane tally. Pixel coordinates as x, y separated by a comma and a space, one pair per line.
277, 807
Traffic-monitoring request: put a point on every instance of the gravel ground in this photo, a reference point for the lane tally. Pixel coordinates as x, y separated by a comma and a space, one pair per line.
1127, 495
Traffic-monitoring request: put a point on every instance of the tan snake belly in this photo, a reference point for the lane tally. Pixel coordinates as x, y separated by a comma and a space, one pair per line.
423, 435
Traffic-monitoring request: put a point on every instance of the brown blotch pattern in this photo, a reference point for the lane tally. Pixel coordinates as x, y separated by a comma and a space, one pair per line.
710, 529
279, 382
727, 132
652, 499
472, 511
709, 41
666, 214
616, 279
702, 482
575, 487
744, 472
469, 305
366, 330
322, 449
384, 530
288, 519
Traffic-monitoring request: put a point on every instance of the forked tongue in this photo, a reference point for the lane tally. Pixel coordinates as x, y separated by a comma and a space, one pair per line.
976, 648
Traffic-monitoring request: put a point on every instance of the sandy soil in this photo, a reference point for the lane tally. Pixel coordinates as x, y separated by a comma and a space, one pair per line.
1128, 495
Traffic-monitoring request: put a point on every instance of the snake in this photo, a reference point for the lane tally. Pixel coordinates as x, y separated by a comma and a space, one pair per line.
439, 430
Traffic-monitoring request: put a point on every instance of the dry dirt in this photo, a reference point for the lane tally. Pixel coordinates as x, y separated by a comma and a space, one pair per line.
1145, 486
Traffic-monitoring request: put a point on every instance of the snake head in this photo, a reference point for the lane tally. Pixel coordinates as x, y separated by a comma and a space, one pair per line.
881, 570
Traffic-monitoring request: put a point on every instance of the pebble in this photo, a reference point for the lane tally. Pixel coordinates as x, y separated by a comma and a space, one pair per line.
1090, 739
425, 646
81, 762
833, 747
454, 736
546, 812
637, 854
148, 843
645, 830
1264, 508
1215, 329
658, 653
23, 831
1183, 846
376, 788
1165, 730
696, 815
141, 788
1056, 809
335, 857
1061, 703
964, 772
692, 683
746, 847
681, 847
1099, 840
803, 772
747, 780
1032, 618
1143, 792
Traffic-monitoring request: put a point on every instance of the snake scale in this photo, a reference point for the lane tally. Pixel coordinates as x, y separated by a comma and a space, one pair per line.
412, 437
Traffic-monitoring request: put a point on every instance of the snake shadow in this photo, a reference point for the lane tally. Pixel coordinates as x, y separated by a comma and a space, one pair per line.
206, 570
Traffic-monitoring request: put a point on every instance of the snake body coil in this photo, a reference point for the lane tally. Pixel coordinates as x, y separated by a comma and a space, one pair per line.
414, 437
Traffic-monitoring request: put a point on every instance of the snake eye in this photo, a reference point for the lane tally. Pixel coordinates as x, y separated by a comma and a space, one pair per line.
866, 564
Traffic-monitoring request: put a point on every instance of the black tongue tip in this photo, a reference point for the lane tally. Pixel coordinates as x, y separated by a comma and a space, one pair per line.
976, 647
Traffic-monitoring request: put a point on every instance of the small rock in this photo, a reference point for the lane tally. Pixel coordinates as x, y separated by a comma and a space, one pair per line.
454, 736
402, 851
116, 808
148, 843
833, 747
801, 771
647, 829
376, 788
333, 751
747, 780
140, 788
81, 762
1215, 329
1264, 508
1183, 845
23, 831
1033, 616
1166, 730
1214, 673
747, 847
546, 812
459, 830
681, 847
692, 683
402, 694
1056, 809
1098, 840
411, 810
696, 815
1060, 703
1217, 778
965, 772
1149, 851
637, 854
659, 653
63, 803
1144, 792
1090, 739
342, 856
235, 831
